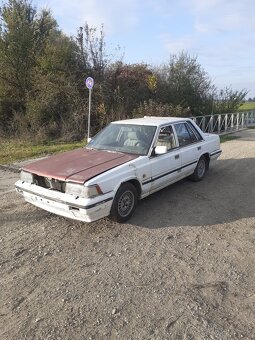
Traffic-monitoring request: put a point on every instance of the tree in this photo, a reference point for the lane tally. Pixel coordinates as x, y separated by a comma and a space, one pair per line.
42, 74
228, 100
130, 84
22, 36
91, 54
184, 82
55, 104
23, 33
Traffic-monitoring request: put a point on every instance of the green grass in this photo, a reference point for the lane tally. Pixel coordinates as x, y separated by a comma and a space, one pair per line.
247, 106
13, 151
227, 138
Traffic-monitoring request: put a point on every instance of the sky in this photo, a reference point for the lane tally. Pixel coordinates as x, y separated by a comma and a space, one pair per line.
220, 33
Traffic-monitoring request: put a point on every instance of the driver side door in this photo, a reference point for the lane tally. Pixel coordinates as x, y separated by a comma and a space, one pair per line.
165, 168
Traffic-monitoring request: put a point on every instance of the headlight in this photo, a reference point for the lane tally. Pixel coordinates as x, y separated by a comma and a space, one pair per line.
26, 177
81, 190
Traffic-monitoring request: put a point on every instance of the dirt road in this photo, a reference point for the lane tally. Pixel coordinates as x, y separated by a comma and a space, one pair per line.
183, 268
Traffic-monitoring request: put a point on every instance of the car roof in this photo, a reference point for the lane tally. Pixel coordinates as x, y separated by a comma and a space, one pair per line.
151, 121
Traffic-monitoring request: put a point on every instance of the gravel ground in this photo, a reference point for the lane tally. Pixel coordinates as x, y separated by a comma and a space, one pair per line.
182, 268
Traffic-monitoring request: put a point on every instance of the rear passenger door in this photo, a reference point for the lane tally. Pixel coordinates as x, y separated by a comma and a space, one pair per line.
190, 146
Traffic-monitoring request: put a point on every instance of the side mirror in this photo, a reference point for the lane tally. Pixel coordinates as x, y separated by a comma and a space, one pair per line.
160, 149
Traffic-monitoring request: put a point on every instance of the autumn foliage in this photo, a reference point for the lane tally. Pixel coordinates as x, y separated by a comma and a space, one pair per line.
42, 72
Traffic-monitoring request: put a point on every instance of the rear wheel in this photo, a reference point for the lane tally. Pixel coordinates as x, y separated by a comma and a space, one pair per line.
124, 203
201, 169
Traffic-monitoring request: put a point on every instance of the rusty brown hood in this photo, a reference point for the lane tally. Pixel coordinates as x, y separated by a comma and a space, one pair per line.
79, 165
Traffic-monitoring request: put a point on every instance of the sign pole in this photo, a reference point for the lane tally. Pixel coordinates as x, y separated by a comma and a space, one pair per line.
89, 84
88, 138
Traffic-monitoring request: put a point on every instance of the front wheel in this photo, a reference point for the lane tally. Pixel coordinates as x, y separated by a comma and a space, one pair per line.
201, 169
124, 203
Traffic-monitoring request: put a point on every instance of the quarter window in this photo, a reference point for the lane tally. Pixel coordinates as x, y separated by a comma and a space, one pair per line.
192, 127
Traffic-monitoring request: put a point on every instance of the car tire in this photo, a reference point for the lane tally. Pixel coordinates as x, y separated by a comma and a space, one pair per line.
201, 169
124, 203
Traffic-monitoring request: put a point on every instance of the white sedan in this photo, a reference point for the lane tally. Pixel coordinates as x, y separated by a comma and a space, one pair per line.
126, 161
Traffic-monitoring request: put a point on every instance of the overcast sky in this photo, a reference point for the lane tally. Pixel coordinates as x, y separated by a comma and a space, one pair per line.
221, 33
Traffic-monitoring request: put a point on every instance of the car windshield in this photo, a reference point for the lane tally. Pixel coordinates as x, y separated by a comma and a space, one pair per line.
126, 138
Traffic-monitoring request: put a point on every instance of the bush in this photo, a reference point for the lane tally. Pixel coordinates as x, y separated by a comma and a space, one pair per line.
152, 108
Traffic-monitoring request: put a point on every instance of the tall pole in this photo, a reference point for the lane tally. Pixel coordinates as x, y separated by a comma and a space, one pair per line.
89, 84
88, 138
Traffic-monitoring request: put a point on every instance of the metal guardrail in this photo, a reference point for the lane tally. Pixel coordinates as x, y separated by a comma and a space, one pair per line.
225, 123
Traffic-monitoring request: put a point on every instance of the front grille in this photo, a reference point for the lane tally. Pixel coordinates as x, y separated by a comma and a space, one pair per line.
49, 183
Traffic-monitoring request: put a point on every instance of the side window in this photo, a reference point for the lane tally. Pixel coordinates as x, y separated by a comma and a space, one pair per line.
166, 137
185, 135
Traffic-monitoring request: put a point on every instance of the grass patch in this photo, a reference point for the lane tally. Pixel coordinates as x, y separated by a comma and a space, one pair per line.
227, 138
247, 106
13, 151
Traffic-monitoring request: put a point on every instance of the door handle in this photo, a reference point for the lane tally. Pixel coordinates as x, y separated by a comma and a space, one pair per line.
177, 156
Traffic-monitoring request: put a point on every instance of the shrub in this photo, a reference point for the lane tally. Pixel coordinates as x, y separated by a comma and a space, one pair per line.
152, 108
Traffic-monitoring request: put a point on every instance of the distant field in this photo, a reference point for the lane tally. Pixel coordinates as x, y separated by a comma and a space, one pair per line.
247, 106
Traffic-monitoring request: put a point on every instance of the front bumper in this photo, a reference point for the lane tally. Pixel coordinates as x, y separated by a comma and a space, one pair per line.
78, 208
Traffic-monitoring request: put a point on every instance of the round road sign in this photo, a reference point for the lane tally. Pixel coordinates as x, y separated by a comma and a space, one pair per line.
89, 83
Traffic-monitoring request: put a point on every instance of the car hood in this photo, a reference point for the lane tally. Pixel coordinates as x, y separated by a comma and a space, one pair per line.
79, 165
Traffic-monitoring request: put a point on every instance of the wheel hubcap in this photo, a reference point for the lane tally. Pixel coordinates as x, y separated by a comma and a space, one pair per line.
201, 168
126, 203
